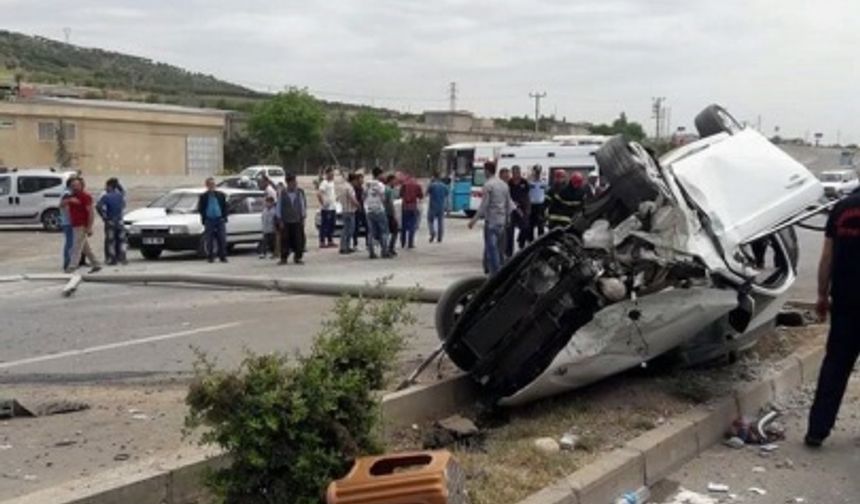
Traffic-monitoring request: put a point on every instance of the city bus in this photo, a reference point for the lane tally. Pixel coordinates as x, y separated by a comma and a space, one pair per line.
464, 166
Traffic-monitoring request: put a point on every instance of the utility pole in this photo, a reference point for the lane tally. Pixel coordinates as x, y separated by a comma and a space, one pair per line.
537, 98
657, 114
67, 31
452, 96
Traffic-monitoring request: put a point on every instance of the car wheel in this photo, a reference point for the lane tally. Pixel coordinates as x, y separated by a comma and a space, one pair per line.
470, 213
715, 120
51, 219
150, 253
453, 302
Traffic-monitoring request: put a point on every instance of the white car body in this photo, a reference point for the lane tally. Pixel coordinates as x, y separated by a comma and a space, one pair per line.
838, 183
32, 196
155, 229
743, 196
275, 173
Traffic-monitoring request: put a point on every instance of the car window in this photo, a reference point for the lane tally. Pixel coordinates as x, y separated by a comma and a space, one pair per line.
241, 204
249, 172
177, 201
31, 184
830, 177
276, 172
5, 186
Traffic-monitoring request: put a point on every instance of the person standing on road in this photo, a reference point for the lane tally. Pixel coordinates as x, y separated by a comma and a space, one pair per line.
377, 220
566, 201
360, 214
437, 193
66, 225
291, 215
328, 210
81, 217
537, 199
268, 217
393, 226
212, 206
411, 195
838, 278
349, 206
495, 209
110, 208
519, 224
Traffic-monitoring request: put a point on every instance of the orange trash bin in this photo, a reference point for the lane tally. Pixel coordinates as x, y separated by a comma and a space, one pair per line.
425, 477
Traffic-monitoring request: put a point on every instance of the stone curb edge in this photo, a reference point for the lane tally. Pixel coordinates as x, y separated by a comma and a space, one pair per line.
654, 455
179, 481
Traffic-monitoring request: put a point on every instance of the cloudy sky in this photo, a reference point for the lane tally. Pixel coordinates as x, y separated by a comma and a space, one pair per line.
793, 63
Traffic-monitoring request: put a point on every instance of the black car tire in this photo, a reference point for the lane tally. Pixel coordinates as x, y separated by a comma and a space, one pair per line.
453, 301
150, 253
51, 219
715, 120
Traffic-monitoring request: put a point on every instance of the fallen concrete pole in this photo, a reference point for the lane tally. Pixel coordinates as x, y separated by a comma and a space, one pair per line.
417, 293
72, 285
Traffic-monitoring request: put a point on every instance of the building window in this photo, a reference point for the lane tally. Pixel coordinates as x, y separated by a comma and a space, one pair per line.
7, 123
48, 131
203, 155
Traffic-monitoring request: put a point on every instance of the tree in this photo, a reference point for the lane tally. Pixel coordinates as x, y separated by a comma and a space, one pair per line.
287, 123
620, 126
370, 135
420, 154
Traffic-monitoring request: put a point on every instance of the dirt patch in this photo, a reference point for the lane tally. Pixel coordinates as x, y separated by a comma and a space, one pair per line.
504, 465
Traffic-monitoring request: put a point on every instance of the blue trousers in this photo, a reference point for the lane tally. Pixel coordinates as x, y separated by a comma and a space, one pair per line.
215, 235
493, 236
408, 224
377, 230
436, 223
68, 241
114, 241
843, 348
347, 232
327, 224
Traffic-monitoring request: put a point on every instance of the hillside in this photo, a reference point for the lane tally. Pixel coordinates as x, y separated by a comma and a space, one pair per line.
41, 60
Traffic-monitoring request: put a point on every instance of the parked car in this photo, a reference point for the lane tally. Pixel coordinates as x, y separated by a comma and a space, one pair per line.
275, 173
662, 262
172, 222
838, 183
32, 196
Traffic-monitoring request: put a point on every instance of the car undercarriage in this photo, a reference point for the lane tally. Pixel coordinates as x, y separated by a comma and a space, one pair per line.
659, 263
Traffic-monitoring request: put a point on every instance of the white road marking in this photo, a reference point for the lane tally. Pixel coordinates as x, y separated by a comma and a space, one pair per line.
113, 346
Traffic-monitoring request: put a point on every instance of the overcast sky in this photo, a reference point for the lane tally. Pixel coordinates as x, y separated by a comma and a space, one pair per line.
794, 63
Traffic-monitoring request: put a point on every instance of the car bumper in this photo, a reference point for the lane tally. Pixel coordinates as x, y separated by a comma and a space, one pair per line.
165, 241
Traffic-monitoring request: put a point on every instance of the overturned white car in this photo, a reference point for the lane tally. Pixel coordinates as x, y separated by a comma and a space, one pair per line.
692, 254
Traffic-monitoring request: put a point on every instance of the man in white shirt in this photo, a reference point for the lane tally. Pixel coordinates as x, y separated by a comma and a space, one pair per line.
377, 219
328, 210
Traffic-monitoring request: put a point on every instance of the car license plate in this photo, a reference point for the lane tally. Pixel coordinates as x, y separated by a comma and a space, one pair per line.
153, 241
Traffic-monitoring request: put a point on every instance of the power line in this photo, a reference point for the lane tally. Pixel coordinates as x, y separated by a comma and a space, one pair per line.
537, 98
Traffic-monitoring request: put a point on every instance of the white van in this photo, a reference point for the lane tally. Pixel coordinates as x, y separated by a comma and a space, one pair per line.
32, 196
551, 156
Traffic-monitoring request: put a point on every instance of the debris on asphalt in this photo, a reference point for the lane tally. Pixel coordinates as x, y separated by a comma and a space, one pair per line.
687, 497
759, 469
140, 416
718, 488
10, 408
58, 407
30, 477
785, 464
65, 442
5, 447
757, 491
546, 445
455, 429
769, 448
735, 442
121, 457
569, 441
760, 431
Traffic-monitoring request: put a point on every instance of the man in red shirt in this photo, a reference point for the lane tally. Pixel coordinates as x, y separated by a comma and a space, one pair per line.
79, 206
411, 195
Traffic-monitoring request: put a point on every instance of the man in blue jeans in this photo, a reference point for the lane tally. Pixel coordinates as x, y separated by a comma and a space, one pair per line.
110, 207
212, 206
327, 197
437, 192
410, 199
66, 225
495, 209
377, 219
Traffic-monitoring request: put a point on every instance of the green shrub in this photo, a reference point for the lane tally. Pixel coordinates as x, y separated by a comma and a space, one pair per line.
292, 425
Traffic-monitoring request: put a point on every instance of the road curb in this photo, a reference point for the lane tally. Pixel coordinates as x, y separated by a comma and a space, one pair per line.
647, 459
179, 481
416, 292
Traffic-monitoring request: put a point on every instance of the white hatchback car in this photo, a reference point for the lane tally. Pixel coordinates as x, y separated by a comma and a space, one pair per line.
32, 196
838, 183
275, 173
171, 222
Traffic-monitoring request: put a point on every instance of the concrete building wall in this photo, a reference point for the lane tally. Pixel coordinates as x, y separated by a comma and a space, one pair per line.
114, 140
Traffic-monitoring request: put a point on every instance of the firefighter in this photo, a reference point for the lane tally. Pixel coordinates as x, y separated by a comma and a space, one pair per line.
565, 199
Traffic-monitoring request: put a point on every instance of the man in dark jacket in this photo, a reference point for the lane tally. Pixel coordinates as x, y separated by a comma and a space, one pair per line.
520, 219
291, 214
212, 206
565, 200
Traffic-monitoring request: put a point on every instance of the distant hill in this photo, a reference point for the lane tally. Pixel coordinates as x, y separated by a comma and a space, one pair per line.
41, 60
